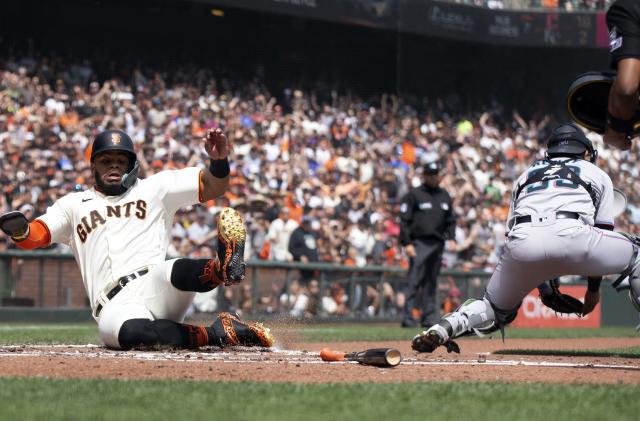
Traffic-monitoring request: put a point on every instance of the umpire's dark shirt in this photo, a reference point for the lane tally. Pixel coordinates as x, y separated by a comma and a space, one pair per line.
623, 20
426, 212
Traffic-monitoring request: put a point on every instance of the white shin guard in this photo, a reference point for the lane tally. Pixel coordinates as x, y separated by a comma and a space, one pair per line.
474, 316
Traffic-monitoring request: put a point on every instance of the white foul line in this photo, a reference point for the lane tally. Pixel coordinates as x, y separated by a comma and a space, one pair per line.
242, 355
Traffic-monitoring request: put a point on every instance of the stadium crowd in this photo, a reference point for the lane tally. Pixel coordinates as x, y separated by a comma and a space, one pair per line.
317, 175
565, 5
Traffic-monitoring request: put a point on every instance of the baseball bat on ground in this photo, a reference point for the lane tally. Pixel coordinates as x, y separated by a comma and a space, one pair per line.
380, 357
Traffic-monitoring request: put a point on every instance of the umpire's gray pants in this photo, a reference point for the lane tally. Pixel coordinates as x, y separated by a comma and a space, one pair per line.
534, 254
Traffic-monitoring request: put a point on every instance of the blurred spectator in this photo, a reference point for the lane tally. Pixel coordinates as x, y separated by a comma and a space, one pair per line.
362, 241
303, 248
279, 234
296, 300
313, 305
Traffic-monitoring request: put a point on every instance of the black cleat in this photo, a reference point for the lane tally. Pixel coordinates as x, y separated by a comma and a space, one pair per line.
232, 233
231, 331
431, 339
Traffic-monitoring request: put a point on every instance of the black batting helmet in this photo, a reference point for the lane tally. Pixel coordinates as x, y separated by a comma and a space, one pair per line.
117, 140
568, 140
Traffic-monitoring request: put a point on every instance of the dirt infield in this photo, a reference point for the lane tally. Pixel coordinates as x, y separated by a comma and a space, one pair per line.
301, 363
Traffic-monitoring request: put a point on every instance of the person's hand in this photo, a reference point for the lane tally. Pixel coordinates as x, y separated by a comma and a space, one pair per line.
304, 259
410, 250
617, 139
216, 144
450, 245
591, 300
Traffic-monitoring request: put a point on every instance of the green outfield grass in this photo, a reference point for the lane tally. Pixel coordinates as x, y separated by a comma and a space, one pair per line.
87, 333
46, 399
56, 399
631, 352
385, 332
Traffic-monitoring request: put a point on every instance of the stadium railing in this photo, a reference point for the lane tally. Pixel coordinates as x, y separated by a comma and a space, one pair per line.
46, 279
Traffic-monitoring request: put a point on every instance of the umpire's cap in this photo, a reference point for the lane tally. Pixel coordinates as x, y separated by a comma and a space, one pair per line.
117, 140
431, 168
568, 139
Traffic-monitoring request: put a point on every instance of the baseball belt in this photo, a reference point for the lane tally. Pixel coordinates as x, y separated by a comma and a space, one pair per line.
559, 215
112, 289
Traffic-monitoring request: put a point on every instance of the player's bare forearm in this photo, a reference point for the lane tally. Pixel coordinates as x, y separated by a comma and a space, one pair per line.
215, 180
623, 102
623, 97
213, 187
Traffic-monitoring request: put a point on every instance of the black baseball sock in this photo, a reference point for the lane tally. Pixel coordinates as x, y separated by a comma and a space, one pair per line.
197, 275
136, 333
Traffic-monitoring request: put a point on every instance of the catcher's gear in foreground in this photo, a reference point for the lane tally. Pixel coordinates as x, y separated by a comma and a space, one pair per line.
474, 317
15, 225
432, 338
551, 297
568, 139
587, 101
231, 331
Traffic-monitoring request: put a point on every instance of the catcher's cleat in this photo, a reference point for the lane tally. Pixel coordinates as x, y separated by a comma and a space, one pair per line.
231, 331
432, 338
231, 237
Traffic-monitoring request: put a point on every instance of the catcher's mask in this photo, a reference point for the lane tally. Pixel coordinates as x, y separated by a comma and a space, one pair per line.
117, 140
568, 140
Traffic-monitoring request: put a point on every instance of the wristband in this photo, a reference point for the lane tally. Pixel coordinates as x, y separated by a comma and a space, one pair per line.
619, 125
219, 168
593, 284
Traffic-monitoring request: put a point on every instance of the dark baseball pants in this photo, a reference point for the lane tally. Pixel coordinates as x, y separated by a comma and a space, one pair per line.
422, 279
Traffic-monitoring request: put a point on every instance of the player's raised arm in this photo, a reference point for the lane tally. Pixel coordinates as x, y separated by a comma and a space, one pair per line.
215, 181
623, 103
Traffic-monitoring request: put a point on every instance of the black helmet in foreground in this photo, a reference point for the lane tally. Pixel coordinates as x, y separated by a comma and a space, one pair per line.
569, 140
117, 140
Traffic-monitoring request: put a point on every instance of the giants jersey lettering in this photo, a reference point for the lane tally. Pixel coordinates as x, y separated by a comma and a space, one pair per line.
111, 235
554, 195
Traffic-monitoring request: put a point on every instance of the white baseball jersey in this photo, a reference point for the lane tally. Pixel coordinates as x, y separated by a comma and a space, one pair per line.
555, 195
113, 236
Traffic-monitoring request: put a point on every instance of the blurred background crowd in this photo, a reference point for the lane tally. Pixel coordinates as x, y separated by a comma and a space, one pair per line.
322, 156
308, 167
563, 5
317, 175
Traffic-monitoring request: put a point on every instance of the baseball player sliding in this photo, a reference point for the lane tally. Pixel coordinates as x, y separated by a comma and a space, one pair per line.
560, 223
119, 233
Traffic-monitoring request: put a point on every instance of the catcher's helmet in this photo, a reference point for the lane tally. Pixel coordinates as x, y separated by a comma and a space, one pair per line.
568, 139
117, 140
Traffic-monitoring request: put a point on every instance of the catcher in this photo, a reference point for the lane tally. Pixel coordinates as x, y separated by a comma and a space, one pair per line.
119, 232
560, 223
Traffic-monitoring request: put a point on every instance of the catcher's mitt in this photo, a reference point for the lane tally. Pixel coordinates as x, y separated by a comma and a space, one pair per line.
15, 225
557, 301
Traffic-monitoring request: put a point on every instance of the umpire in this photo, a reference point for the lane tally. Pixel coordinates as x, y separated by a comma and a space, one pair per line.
427, 220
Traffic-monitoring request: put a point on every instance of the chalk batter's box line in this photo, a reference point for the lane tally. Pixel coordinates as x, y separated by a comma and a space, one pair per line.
276, 357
